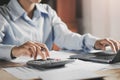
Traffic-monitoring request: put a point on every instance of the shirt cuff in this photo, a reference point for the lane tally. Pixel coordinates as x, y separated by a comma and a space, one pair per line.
5, 52
90, 41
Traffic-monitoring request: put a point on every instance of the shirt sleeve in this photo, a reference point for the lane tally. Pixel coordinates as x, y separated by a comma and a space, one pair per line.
64, 38
5, 50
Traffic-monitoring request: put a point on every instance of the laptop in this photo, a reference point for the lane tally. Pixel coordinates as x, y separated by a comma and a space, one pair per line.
102, 57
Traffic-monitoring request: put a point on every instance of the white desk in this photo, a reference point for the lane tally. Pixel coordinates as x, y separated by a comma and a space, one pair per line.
76, 70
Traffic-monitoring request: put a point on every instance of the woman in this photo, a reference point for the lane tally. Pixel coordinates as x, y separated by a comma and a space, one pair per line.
28, 28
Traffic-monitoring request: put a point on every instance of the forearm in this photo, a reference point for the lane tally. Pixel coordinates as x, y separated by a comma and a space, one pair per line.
74, 41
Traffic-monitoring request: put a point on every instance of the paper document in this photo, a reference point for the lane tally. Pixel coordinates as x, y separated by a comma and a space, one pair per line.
76, 70
71, 71
23, 73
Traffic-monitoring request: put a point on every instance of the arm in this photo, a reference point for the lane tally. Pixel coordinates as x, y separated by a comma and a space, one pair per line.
64, 38
9, 46
5, 49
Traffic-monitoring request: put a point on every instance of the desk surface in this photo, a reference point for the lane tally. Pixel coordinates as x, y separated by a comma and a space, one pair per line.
78, 70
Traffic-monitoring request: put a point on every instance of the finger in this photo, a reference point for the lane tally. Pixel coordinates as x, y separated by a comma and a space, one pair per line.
107, 42
38, 51
45, 51
116, 44
32, 46
42, 54
100, 46
111, 45
28, 44
33, 50
38, 46
35, 56
44, 48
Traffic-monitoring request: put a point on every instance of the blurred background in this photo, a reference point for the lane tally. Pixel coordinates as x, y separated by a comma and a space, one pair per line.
99, 17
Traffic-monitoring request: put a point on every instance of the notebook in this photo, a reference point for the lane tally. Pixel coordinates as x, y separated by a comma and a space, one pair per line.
102, 57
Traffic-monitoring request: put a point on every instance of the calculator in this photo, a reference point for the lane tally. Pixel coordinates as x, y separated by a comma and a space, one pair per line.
49, 63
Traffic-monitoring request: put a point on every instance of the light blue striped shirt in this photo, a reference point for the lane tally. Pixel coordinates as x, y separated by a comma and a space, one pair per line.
46, 27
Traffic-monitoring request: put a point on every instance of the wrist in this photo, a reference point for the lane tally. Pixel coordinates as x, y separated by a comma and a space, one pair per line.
13, 52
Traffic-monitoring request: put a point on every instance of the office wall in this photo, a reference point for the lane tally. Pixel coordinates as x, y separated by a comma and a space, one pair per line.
87, 16
102, 18
115, 19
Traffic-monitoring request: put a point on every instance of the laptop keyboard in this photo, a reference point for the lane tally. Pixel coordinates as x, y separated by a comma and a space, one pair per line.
101, 56
104, 57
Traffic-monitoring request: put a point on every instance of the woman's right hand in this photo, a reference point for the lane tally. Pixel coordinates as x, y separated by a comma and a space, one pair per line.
31, 49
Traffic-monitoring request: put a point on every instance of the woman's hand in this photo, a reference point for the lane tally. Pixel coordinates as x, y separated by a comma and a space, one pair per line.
101, 44
31, 49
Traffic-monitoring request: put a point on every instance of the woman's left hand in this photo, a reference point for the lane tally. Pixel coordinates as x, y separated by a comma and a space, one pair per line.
102, 43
